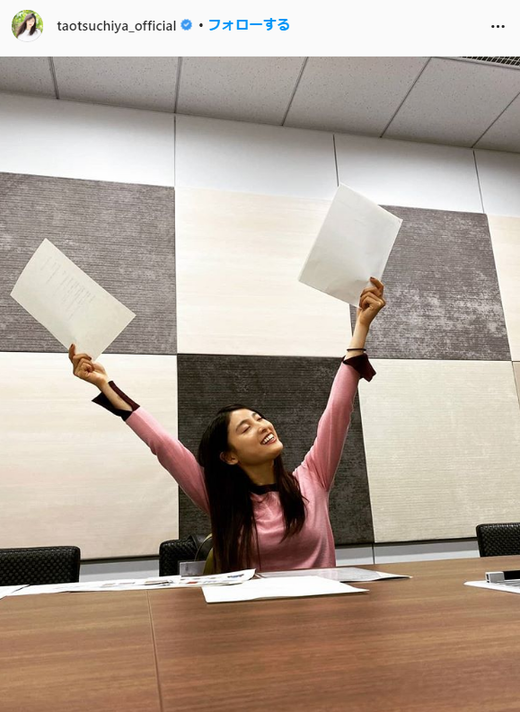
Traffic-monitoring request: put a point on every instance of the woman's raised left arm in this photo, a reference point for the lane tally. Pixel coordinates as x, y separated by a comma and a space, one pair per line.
323, 458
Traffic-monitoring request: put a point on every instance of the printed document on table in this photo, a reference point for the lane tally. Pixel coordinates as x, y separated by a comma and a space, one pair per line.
341, 573
286, 587
159, 582
9, 590
509, 587
68, 303
354, 244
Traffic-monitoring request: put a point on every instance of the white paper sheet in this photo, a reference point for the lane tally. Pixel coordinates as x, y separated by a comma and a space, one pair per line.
286, 587
354, 244
341, 573
145, 584
68, 303
506, 587
8, 590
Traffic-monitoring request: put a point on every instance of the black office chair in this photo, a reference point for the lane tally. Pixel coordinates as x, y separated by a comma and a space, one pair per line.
499, 539
39, 565
195, 547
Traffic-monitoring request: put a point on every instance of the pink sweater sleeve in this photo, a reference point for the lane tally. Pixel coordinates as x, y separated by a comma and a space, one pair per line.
323, 458
173, 456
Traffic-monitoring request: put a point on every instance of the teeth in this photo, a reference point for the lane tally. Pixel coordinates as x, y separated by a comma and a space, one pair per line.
268, 439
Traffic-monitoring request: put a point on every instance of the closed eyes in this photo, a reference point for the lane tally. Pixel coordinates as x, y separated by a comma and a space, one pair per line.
258, 418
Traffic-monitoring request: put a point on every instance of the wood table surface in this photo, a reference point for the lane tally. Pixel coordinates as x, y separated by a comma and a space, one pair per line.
73, 652
420, 644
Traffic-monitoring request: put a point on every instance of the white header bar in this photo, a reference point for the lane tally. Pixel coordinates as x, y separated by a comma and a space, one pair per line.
270, 28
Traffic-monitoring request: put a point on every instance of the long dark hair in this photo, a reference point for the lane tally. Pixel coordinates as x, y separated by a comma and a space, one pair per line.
229, 494
23, 26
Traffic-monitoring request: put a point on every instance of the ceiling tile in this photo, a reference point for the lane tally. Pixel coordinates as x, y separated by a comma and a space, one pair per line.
352, 94
256, 89
26, 75
137, 82
454, 102
504, 134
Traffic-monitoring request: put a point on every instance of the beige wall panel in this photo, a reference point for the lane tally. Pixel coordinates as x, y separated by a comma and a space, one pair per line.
505, 238
442, 442
238, 260
516, 367
73, 473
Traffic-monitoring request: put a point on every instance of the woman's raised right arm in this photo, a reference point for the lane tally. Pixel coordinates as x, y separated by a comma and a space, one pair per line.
170, 452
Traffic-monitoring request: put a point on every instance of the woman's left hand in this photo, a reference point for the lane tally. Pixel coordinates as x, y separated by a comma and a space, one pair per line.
371, 302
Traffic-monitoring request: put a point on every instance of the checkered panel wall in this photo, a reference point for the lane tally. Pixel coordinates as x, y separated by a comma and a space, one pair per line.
217, 299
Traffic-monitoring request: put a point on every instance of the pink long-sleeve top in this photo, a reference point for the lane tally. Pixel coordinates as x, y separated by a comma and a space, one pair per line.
313, 546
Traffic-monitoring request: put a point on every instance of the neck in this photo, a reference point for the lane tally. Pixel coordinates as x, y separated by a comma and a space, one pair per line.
261, 474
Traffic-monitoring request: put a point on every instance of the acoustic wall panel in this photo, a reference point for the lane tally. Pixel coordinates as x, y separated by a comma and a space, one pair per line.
254, 158
442, 443
417, 175
73, 473
505, 237
238, 261
441, 287
292, 393
499, 180
79, 140
122, 235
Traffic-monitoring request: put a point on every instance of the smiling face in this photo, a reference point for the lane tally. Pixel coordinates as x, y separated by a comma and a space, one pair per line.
30, 23
252, 439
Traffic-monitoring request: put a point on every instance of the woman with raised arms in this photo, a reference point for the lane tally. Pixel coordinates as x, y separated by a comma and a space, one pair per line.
262, 516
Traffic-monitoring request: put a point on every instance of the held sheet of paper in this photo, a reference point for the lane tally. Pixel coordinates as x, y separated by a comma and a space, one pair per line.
68, 303
354, 244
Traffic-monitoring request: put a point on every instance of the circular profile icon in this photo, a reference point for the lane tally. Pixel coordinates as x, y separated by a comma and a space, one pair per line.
27, 26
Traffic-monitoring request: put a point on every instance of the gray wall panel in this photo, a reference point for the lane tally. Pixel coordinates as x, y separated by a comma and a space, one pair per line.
442, 291
121, 235
292, 393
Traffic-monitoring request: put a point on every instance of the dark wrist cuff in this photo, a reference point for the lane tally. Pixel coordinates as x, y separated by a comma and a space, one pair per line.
103, 401
362, 365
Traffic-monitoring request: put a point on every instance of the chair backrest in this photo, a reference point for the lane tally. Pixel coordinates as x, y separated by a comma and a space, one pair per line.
39, 565
499, 539
175, 550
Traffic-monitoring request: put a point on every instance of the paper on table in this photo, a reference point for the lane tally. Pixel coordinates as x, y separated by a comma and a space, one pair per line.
160, 582
9, 590
506, 587
287, 587
68, 303
345, 573
354, 244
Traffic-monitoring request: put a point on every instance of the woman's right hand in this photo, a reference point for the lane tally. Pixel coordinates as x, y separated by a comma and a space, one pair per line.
83, 367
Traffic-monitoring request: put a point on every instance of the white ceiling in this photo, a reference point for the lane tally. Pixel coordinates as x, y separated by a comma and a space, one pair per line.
442, 100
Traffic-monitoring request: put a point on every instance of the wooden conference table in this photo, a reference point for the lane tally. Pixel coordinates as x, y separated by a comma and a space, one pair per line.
428, 643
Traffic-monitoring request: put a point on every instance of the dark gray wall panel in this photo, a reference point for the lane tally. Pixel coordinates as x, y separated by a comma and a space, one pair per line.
441, 287
292, 393
121, 235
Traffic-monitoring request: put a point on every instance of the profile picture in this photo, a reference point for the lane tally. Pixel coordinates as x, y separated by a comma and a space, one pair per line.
27, 25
